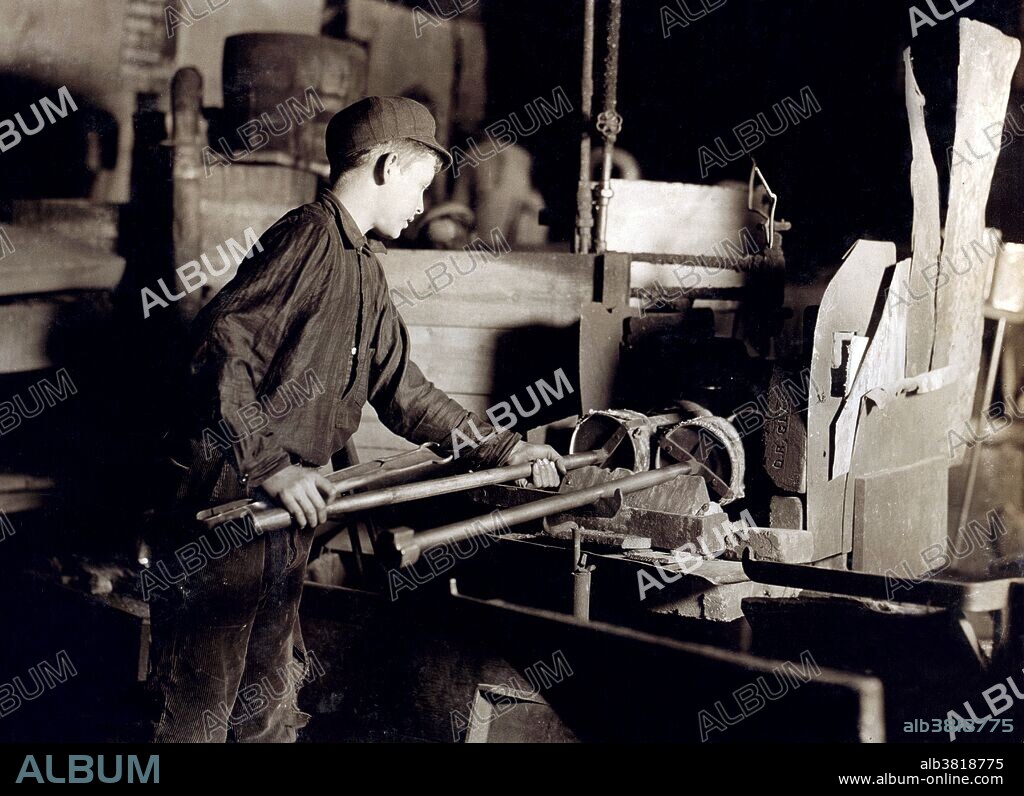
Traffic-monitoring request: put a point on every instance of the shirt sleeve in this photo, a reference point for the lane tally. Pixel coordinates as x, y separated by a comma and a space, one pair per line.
412, 407
247, 323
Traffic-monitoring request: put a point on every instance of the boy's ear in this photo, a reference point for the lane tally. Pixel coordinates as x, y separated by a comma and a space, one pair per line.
385, 168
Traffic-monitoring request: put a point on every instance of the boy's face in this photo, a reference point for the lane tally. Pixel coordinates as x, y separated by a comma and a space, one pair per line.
404, 184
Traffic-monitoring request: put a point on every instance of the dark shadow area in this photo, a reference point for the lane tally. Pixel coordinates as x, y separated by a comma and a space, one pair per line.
841, 174
62, 159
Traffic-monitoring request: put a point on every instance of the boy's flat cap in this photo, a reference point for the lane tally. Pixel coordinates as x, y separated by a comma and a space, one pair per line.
374, 120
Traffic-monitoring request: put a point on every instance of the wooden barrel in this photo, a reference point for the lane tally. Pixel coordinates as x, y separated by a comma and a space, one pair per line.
281, 89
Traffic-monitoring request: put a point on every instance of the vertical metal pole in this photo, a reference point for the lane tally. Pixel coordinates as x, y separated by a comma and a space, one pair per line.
187, 228
609, 123
986, 401
580, 578
584, 196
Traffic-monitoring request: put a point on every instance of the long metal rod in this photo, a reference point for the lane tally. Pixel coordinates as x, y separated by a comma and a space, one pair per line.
975, 451
584, 195
609, 123
373, 474
409, 546
276, 518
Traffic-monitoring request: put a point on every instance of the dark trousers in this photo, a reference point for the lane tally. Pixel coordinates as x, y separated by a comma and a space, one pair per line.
226, 638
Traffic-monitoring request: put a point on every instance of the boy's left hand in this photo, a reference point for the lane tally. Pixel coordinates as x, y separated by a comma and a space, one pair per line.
548, 467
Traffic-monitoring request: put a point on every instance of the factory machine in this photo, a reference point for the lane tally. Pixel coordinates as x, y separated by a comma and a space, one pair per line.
757, 475
750, 539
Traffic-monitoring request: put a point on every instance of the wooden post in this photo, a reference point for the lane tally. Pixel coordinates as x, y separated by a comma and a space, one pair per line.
186, 171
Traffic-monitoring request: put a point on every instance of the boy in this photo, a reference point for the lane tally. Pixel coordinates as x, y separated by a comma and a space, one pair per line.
312, 308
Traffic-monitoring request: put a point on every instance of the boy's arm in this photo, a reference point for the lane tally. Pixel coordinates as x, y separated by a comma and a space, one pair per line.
412, 407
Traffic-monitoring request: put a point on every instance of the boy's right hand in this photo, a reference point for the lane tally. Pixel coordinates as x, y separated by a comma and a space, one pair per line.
298, 489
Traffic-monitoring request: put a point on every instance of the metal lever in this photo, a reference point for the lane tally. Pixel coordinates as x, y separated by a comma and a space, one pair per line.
265, 517
406, 546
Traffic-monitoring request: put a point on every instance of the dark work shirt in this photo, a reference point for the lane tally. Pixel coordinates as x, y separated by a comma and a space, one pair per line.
306, 333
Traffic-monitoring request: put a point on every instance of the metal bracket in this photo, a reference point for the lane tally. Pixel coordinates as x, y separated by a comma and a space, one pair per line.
611, 279
227, 512
610, 506
722, 490
770, 225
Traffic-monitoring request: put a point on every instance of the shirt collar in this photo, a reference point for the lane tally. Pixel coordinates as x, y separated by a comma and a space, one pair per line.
347, 225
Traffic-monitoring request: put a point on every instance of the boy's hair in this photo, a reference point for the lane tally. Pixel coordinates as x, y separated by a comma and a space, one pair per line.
406, 149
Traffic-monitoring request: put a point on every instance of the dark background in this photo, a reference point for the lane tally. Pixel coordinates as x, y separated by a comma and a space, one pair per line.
841, 175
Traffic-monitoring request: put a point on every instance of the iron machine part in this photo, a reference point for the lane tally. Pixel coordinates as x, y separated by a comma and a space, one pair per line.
713, 448
403, 547
609, 430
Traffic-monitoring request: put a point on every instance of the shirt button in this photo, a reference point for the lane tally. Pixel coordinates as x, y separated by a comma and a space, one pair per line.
353, 350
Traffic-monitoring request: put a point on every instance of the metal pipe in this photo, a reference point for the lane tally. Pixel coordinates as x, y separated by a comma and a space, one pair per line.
609, 123
408, 546
275, 518
581, 577
975, 453
383, 477
375, 474
584, 195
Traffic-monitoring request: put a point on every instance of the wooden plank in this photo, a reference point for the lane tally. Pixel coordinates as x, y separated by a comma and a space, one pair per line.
927, 232
20, 482
25, 327
501, 363
92, 223
676, 218
494, 362
21, 492
688, 275
457, 359
987, 61
478, 289
44, 261
258, 184
480, 366
28, 500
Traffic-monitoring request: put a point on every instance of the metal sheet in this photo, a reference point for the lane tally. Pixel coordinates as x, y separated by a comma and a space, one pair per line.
897, 514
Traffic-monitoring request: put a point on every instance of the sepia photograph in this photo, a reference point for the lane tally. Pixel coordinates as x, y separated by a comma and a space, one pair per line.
604, 372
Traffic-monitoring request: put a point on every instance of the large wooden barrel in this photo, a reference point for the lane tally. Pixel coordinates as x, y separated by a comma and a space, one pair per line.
274, 82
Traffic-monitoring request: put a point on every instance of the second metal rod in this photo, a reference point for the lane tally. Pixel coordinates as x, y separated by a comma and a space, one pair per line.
410, 548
